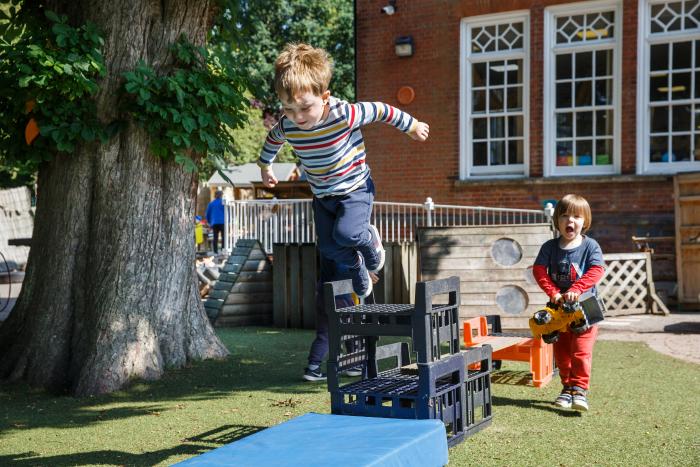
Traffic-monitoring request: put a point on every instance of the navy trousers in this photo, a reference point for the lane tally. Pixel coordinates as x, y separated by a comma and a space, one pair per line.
342, 224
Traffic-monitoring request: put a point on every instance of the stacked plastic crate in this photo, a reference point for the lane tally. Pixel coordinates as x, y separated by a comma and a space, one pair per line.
439, 385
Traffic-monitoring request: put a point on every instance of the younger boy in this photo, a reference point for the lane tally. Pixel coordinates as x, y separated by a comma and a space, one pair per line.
325, 134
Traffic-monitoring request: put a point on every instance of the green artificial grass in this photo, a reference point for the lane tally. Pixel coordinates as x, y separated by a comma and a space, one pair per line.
645, 410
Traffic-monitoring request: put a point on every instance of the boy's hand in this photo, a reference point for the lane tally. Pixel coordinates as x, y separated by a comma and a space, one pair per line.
556, 298
268, 177
420, 133
571, 297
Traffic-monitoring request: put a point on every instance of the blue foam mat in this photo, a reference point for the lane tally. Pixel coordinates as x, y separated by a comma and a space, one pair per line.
336, 440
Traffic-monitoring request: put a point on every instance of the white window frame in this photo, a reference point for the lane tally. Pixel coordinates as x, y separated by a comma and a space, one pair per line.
550, 168
645, 40
467, 170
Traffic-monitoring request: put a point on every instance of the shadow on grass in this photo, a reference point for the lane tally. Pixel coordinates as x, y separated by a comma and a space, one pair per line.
262, 359
529, 404
192, 446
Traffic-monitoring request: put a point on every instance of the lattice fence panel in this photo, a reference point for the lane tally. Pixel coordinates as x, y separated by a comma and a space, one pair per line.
627, 287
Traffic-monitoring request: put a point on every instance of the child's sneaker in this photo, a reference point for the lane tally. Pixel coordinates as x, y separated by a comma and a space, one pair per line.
314, 375
564, 399
361, 282
374, 254
578, 400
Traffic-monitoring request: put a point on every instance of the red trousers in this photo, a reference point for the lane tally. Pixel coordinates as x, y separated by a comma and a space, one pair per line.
573, 354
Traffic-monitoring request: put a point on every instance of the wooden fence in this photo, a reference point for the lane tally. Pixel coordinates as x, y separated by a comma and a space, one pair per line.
627, 287
295, 272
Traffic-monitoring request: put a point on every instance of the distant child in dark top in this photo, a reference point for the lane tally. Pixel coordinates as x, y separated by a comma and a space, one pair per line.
565, 268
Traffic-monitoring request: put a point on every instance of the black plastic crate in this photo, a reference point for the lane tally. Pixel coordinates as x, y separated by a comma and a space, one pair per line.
477, 389
434, 328
432, 391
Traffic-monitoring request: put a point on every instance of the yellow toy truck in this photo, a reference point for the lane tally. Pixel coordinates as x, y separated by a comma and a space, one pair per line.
576, 316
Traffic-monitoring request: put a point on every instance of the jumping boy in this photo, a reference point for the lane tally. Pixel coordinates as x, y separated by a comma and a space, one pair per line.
325, 134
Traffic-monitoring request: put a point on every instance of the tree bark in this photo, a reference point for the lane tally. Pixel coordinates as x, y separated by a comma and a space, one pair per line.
110, 294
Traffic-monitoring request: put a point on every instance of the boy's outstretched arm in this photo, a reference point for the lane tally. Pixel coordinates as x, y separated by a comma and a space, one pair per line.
363, 113
273, 143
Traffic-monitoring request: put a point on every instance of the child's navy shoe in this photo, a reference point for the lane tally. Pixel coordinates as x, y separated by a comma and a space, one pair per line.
314, 375
579, 401
374, 253
564, 399
361, 282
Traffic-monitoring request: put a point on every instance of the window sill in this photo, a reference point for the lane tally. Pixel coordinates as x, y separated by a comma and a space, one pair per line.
588, 179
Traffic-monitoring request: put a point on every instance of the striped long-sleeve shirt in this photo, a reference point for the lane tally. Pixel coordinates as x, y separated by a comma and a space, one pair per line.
333, 153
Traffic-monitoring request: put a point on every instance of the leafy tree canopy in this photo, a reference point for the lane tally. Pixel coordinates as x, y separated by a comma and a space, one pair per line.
263, 27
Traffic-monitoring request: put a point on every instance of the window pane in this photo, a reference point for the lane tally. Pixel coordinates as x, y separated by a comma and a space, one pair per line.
584, 151
479, 74
682, 54
583, 93
497, 127
479, 128
515, 125
563, 66
479, 102
498, 152
565, 124
603, 92
491, 33
680, 86
584, 64
696, 152
659, 119
604, 123
584, 124
563, 95
658, 149
496, 100
496, 72
603, 63
514, 72
603, 152
680, 148
515, 98
480, 153
515, 151
658, 88
565, 155
680, 119
659, 57
697, 83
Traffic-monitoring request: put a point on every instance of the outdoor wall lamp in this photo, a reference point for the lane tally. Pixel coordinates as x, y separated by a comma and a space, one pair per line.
403, 46
389, 9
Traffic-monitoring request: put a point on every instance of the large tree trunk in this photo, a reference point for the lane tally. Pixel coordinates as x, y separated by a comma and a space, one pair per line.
110, 293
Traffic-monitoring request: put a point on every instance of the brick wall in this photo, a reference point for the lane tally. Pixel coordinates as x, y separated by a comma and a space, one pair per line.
405, 170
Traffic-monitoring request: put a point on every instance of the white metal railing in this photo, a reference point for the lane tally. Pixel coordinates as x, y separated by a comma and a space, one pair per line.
291, 220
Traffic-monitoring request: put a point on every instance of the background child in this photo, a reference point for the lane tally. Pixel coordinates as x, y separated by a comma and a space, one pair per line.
325, 134
565, 268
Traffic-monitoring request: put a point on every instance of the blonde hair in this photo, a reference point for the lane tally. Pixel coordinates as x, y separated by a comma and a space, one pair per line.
302, 68
577, 205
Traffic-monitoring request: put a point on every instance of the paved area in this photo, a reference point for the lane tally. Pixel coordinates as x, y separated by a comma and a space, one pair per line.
677, 334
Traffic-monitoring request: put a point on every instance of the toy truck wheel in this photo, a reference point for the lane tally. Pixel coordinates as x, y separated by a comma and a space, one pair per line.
551, 338
542, 317
579, 327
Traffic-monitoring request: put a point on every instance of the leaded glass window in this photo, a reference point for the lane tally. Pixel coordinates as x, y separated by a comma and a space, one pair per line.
496, 93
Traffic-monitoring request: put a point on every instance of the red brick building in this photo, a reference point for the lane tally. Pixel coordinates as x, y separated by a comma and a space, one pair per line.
530, 100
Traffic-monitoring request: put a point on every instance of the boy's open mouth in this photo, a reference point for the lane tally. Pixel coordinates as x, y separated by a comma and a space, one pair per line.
569, 229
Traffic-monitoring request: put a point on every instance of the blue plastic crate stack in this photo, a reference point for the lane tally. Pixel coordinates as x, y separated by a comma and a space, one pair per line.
442, 382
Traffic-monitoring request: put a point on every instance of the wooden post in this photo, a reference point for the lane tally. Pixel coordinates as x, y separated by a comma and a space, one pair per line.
309, 276
279, 286
294, 305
